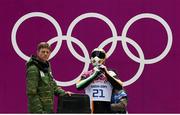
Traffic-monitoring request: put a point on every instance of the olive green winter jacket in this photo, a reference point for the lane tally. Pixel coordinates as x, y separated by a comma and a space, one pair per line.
41, 87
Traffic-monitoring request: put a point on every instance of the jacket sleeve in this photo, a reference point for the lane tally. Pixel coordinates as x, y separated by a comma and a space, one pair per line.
34, 103
57, 90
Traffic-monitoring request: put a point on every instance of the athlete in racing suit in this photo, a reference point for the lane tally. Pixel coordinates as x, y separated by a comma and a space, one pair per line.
99, 83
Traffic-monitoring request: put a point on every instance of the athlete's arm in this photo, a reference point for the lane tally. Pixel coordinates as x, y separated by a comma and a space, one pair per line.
84, 82
112, 78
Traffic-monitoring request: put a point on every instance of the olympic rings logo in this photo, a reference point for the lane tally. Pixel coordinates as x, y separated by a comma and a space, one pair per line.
114, 39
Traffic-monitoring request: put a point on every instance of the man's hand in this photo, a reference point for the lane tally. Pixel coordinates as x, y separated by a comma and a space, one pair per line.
69, 93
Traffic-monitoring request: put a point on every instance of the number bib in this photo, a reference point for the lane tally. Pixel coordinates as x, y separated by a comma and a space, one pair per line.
99, 91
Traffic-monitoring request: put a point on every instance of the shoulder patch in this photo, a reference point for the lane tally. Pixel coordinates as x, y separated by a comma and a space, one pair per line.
42, 74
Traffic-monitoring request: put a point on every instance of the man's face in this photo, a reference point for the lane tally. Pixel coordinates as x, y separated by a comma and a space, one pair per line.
43, 54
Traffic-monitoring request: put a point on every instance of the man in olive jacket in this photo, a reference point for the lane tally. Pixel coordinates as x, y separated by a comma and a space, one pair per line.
41, 86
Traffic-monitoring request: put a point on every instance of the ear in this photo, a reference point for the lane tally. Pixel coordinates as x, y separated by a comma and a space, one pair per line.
37, 53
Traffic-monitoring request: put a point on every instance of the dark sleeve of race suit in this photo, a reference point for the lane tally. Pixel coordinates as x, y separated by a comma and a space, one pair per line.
85, 80
112, 77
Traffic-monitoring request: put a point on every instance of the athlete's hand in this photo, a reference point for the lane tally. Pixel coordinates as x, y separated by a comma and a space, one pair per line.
103, 68
97, 71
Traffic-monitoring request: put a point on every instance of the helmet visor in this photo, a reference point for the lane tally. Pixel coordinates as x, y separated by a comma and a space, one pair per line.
99, 54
